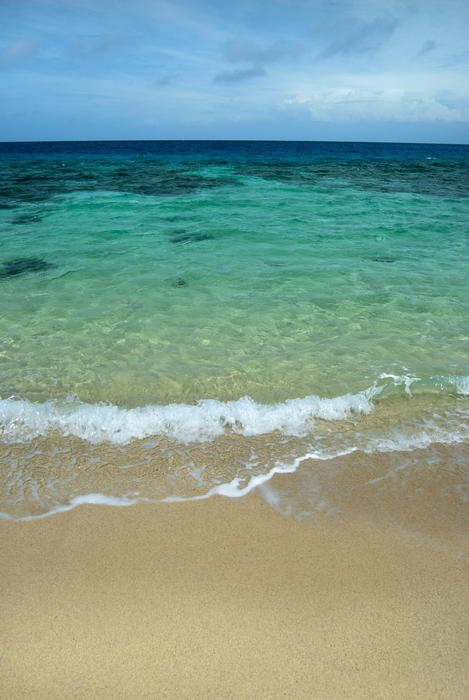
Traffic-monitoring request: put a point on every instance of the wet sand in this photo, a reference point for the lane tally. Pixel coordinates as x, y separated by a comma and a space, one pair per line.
226, 598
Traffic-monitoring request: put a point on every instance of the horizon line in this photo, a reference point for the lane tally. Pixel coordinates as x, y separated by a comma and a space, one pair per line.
236, 140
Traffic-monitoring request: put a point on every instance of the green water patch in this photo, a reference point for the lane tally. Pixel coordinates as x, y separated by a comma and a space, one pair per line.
272, 290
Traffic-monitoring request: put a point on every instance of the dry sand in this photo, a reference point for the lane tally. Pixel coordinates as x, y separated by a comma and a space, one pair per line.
227, 599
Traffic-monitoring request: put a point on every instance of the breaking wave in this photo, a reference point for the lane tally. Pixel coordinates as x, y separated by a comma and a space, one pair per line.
22, 420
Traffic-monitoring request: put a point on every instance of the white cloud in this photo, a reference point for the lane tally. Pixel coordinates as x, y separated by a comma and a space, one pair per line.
349, 104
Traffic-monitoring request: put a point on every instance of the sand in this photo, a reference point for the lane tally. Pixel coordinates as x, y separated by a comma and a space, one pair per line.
226, 598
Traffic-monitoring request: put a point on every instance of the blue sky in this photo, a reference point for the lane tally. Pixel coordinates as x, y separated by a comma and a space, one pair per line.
394, 70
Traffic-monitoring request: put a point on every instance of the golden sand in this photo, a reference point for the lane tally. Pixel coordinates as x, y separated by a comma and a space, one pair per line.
226, 598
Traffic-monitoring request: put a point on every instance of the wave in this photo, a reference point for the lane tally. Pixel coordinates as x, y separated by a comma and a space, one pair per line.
231, 489
22, 420
214, 447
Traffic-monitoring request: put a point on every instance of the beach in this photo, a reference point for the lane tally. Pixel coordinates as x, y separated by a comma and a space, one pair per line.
228, 598
234, 419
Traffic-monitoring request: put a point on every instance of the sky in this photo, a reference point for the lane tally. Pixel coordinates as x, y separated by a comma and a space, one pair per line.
344, 70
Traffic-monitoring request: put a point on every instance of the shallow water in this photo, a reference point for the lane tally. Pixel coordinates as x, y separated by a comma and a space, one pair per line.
148, 288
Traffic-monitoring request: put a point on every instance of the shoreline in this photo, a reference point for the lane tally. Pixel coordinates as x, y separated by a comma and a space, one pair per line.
228, 598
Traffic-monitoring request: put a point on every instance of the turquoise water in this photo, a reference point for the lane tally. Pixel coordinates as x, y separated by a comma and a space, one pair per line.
147, 278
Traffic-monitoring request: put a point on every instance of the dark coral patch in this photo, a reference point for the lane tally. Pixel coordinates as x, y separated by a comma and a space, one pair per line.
26, 219
189, 237
18, 266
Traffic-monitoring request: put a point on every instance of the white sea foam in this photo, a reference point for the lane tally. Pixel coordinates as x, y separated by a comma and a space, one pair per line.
88, 498
431, 422
401, 380
461, 384
397, 441
231, 489
24, 420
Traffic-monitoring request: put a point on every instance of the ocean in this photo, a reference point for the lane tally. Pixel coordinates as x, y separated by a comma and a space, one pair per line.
185, 318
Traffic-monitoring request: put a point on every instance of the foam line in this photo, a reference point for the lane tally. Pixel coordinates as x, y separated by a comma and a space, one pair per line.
22, 420
228, 490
